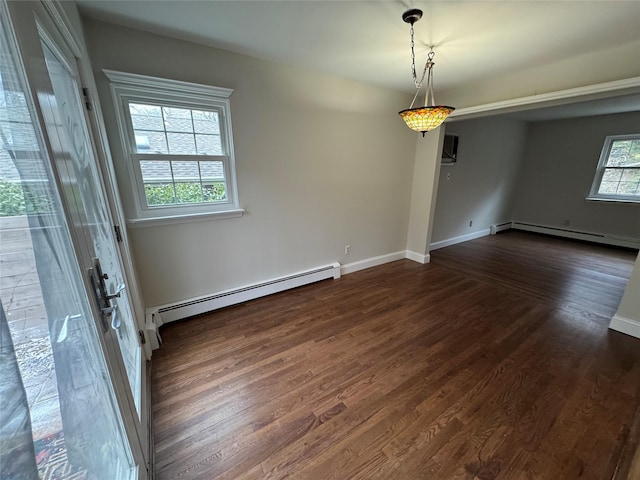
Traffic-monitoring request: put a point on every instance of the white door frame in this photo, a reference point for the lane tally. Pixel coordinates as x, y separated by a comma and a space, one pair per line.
56, 16
99, 140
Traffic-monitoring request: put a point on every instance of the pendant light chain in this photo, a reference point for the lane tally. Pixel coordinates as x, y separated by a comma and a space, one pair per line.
429, 91
413, 60
428, 67
417, 83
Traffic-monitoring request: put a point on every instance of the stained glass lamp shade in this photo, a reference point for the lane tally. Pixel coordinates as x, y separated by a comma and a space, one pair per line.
425, 119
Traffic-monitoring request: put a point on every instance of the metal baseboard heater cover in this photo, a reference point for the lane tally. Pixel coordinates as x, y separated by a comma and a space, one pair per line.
199, 305
578, 235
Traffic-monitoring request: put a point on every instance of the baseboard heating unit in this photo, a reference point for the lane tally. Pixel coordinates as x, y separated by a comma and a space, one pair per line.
196, 306
499, 227
579, 235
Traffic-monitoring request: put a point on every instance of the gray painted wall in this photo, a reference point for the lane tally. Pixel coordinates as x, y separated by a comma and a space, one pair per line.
538, 173
560, 161
321, 161
480, 187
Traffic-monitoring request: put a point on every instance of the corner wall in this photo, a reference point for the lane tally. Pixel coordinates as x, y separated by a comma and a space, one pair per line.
560, 163
627, 318
322, 162
423, 195
480, 186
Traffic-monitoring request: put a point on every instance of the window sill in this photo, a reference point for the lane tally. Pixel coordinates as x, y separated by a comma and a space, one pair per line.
188, 218
612, 200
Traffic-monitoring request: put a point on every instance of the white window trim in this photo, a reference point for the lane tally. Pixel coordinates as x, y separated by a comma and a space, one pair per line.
604, 155
130, 87
183, 218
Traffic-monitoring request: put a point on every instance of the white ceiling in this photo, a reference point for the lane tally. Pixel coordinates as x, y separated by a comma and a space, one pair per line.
368, 41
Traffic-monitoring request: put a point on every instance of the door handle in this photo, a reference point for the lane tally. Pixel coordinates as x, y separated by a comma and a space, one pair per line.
116, 294
113, 314
103, 299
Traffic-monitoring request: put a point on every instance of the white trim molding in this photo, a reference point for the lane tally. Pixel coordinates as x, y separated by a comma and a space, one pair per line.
194, 217
166, 85
588, 92
162, 314
418, 257
459, 239
372, 262
159, 315
618, 241
625, 325
61, 20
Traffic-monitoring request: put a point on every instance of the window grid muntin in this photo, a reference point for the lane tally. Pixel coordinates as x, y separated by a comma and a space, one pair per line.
620, 180
139, 157
162, 105
202, 182
598, 190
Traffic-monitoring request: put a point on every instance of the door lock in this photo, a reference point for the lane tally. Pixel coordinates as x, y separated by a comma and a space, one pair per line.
108, 312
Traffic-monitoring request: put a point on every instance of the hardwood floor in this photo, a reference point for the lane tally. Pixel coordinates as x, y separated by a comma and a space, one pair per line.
492, 362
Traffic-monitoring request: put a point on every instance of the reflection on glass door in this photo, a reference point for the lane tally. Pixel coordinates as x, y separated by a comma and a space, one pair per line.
66, 123
60, 417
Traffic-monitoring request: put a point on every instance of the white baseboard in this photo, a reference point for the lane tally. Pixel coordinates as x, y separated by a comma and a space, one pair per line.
625, 325
578, 235
160, 315
462, 238
207, 303
372, 262
417, 257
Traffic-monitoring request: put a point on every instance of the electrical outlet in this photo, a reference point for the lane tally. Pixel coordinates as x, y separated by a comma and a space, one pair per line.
470, 223
448, 175
347, 249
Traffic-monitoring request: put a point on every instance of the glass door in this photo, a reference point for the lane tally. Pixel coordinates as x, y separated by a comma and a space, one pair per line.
66, 124
46, 148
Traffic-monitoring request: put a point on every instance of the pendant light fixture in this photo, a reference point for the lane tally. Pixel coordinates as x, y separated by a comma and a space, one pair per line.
429, 117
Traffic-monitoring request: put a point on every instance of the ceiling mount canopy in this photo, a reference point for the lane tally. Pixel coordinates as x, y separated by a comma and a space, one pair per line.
430, 116
412, 16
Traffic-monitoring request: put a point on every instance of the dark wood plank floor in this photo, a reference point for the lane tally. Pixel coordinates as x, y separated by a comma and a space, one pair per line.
492, 362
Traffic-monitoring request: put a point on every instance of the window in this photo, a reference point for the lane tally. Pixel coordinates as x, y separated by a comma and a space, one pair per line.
178, 147
618, 173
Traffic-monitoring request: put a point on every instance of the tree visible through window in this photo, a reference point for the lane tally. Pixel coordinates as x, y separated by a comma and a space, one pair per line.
618, 174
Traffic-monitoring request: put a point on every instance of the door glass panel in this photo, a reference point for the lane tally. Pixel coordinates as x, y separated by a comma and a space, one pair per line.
67, 124
58, 417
